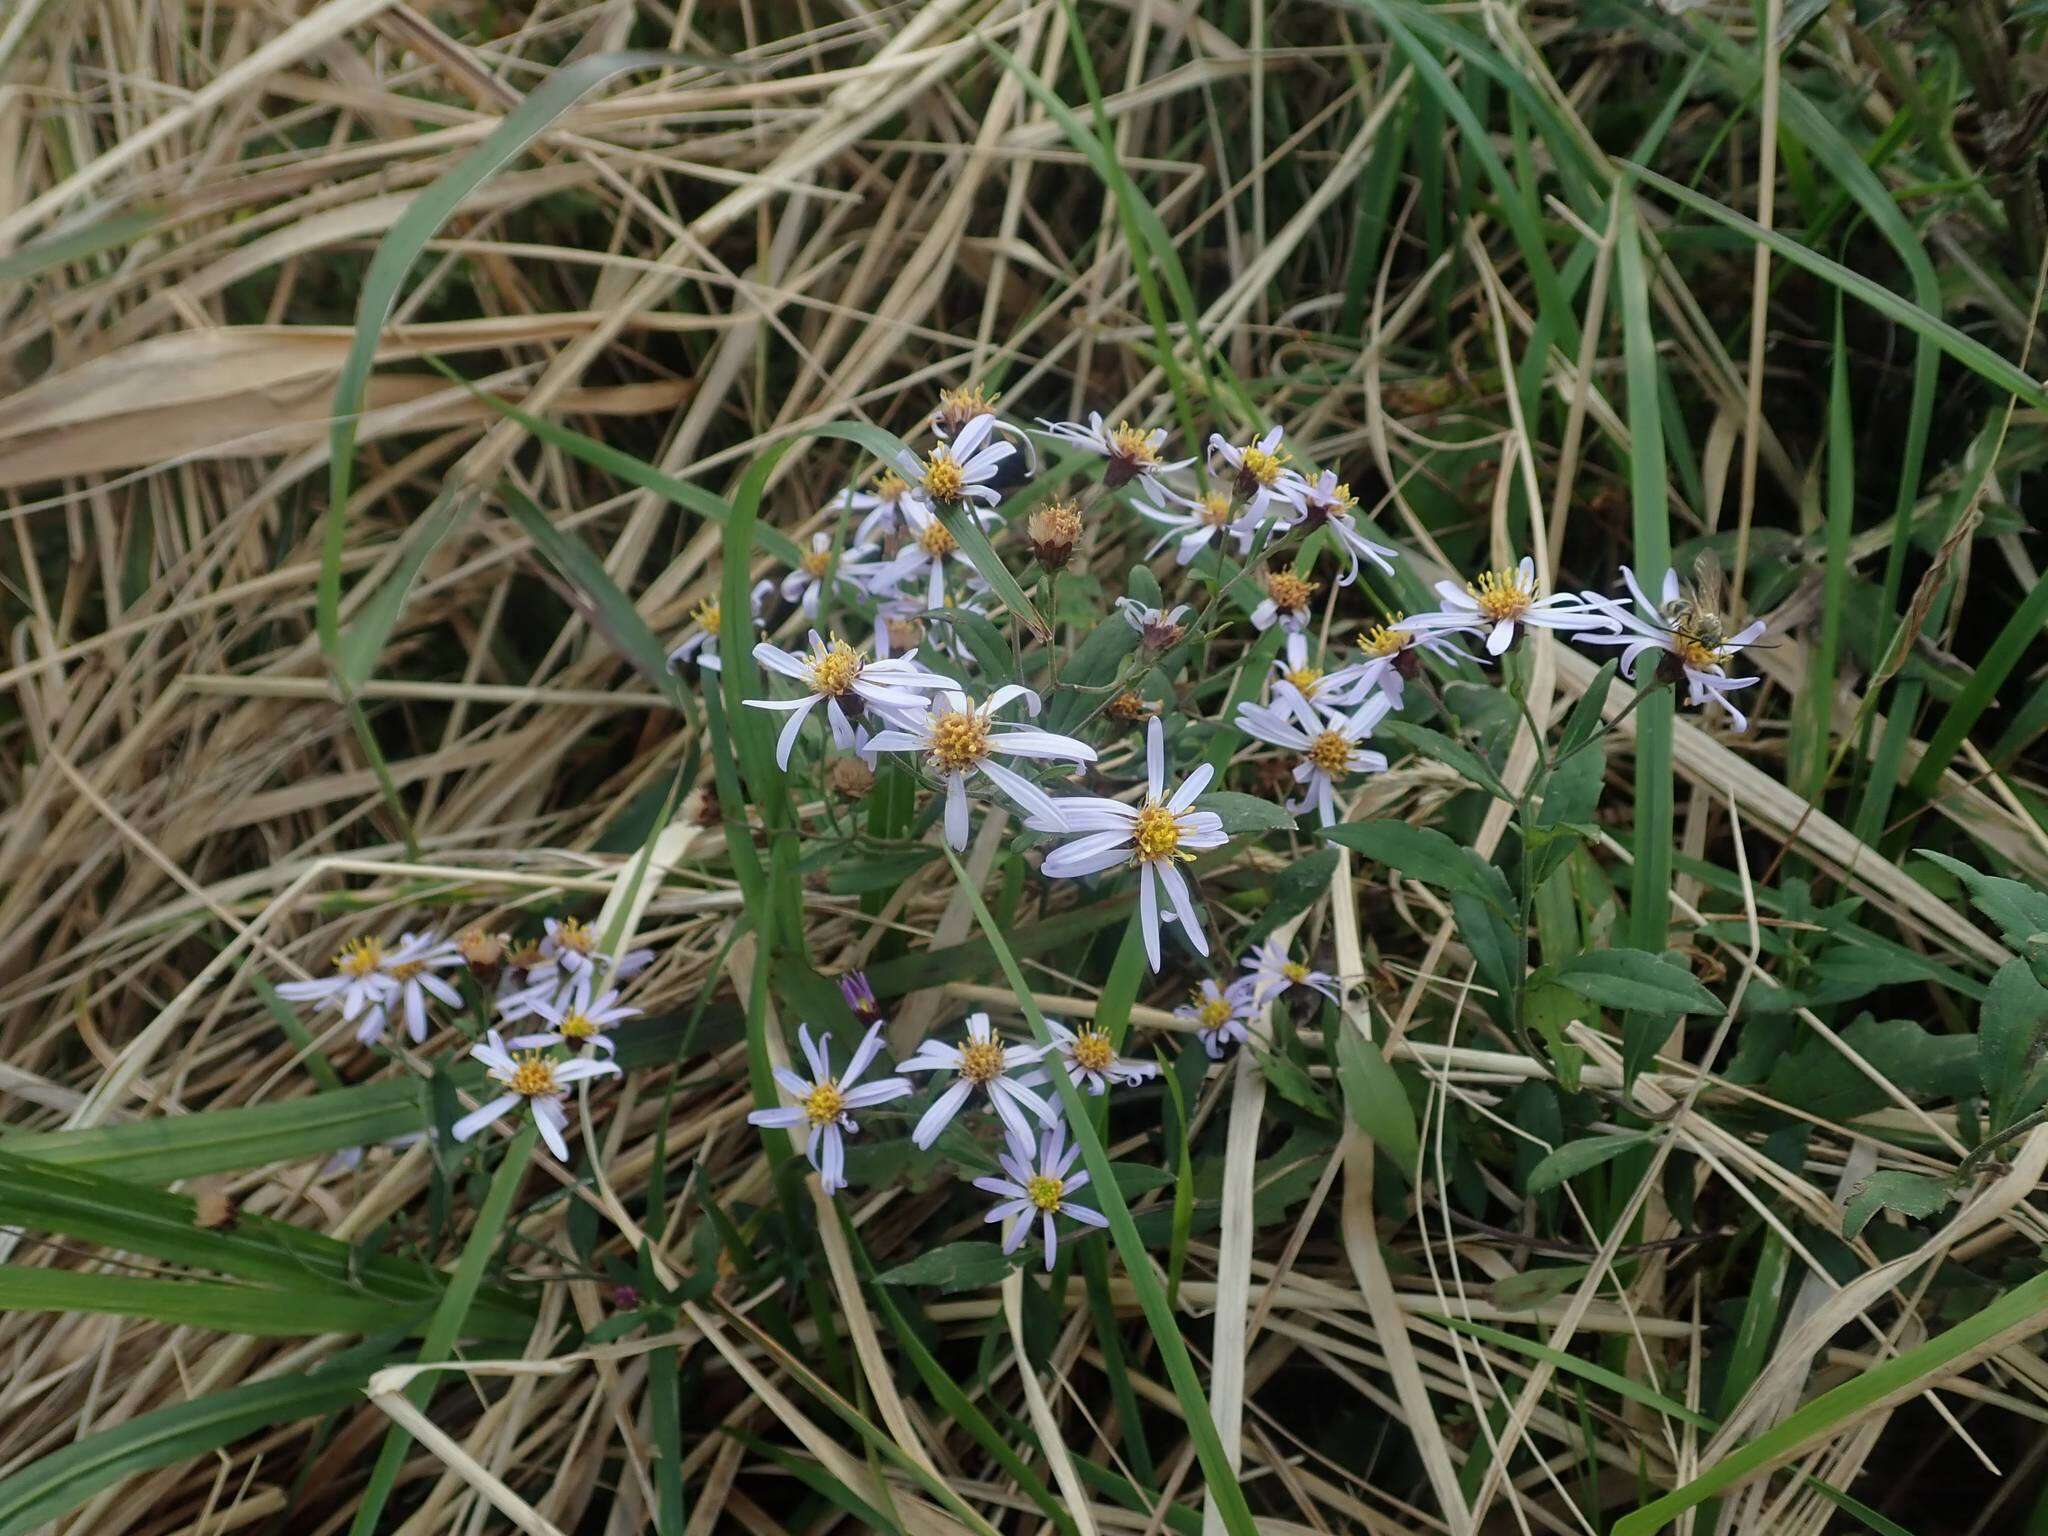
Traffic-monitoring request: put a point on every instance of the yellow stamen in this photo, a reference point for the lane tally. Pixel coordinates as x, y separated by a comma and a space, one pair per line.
1045, 1191
981, 1061
1331, 752
1304, 679
935, 540
1157, 834
959, 740
1502, 595
1289, 591
816, 561
889, 485
407, 970
834, 667
1262, 466
573, 933
577, 1027
957, 407
1092, 1050
824, 1104
1386, 639
1295, 972
359, 957
1212, 1010
944, 480
706, 615
1132, 444
1216, 509
1697, 654
534, 1076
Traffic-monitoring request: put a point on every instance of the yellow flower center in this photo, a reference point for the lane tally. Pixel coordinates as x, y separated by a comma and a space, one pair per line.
1157, 834
1304, 679
1387, 639
889, 485
534, 1077
407, 970
1289, 591
834, 668
944, 480
1092, 1050
360, 957
1216, 509
479, 947
824, 1104
981, 1061
959, 740
577, 1027
574, 933
1262, 466
815, 562
524, 957
1212, 1011
1295, 972
1340, 502
935, 541
1044, 1191
1132, 444
960, 406
706, 615
1331, 753
1501, 595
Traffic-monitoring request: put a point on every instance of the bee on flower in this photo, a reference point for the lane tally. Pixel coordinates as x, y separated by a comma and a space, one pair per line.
576, 1018
1210, 520
1268, 973
1328, 503
1686, 630
1160, 629
1158, 835
958, 471
1286, 603
1259, 472
700, 640
835, 675
1089, 1058
957, 739
1500, 602
1038, 1187
534, 1078
1220, 1015
1133, 452
982, 1062
822, 1101
804, 585
1327, 741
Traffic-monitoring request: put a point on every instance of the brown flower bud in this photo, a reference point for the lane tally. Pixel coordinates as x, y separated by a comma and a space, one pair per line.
1128, 709
483, 952
1053, 530
850, 778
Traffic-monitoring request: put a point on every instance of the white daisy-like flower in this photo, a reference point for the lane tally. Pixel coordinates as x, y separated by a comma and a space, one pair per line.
411, 966
1210, 519
1327, 502
1327, 741
1286, 602
1132, 452
926, 560
1295, 672
1221, 1015
835, 675
1259, 470
959, 471
958, 408
1091, 1060
1158, 835
822, 1101
1268, 973
1160, 628
1038, 1187
1689, 641
568, 949
359, 981
700, 640
1499, 601
983, 1062
1388, 661
881, 508
958, 738
576, 1018
541, 1081
803, 585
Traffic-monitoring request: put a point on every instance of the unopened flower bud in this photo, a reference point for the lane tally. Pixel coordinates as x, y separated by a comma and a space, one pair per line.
483, 952
850, 777
1053, 530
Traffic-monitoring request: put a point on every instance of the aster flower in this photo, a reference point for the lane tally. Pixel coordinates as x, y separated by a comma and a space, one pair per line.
1268, 973
1287, 600
1052, 532
834, 674
359, 981
1259, 470
1132, 452
1038, 1185
1295, 672
822, 1101
930, 554
958, 471
1220, 1015
411, 966
984, 1062
541, 1081
882, 508
1210, 520
860, 997
958, 407
1389, 659
1158, 835
1328, 503
1328, 744
576, 1018
700, 640
1160, 628
958, 738
1687, 637
803, 585
1090, 1060
1501, 600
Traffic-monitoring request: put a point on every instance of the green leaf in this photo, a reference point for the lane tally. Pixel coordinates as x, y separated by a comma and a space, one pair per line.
1584, 720
1246, 813
2019, 910
1532, 1288
1576, 1157
2009, 1035
1435, 744
61, 250
364, 640
1292, 1083
1634, 978
953, 1267
989, 566
1376, 1102
1295, 889
217, 1305
1423, 853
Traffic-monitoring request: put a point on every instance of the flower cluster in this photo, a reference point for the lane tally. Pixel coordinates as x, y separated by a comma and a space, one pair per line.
1039, 1183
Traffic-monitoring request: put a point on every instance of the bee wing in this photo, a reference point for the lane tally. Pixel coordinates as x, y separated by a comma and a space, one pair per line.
1709, 585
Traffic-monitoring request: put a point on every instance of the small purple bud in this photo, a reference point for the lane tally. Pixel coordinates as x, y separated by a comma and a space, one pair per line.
625, 1297
860, 997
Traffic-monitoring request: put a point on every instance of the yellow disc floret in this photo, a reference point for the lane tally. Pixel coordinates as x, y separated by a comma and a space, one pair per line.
959, 740
1386, 639
816, 561
1216, 509
1262, 466
1304, 679
1092, 1050
533, 1075
1331, 753
1156, 834
936, 541
578, 1027
359, 957
574, 934
1295, 972
1502, 595
834, 667
1289, 591
1132, 444
1045, 1191
944, 480
981, 1061
824, 1104
706, 615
